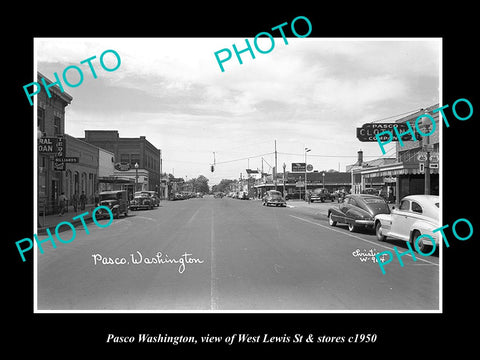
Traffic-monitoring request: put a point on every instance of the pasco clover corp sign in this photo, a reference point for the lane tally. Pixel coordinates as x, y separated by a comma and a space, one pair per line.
368, 131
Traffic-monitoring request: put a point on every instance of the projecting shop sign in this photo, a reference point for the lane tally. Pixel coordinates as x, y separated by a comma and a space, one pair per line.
368, 131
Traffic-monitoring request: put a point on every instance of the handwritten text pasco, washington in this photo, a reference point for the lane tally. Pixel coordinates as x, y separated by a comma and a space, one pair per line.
138, 258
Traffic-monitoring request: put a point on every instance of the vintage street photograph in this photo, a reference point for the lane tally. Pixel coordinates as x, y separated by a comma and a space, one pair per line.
212, 175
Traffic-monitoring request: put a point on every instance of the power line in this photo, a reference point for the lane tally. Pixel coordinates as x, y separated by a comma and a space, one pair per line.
329, 156
393, 116
245, 158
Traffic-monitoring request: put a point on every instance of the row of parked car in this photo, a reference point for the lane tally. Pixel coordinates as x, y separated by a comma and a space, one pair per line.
186, 195
416, 215
118, 203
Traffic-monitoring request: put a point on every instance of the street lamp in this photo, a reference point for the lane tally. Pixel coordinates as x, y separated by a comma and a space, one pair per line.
136, 177
306, 150
323, 180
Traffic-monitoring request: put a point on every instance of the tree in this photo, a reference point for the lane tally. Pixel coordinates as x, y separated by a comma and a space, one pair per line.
223, 186
200, 184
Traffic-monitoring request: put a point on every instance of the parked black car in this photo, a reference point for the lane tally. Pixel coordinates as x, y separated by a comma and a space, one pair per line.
141, 201
358, 210
115, 200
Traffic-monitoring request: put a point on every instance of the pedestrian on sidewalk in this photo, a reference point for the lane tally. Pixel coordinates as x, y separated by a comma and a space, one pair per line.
62, 203
309, 197
83, 199
75, 201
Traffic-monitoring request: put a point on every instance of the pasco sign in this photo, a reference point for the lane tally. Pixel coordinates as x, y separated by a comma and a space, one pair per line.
368, 131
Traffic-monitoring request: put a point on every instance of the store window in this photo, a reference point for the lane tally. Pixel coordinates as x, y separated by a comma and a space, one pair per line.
135, 158
56, 126
41, 119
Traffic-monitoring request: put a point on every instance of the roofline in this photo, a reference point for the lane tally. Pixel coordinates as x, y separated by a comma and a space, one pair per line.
64, 95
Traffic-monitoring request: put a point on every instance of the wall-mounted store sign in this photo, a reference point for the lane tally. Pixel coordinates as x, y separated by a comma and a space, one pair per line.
122, 166
46, 145
368, 131
59, 154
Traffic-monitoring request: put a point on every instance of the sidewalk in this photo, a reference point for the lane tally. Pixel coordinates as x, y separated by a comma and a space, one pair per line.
51, 221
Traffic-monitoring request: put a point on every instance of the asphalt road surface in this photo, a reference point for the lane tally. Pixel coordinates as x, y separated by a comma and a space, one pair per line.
230, 255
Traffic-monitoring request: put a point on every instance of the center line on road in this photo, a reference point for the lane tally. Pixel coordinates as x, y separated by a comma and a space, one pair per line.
357, 237
193, 217
213, 303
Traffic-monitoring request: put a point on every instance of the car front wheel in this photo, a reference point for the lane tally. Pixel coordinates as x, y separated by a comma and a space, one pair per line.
331, 222
351, 227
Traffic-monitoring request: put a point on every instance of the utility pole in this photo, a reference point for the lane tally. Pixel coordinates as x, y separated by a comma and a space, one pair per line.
275, 172
306, 150
426, 147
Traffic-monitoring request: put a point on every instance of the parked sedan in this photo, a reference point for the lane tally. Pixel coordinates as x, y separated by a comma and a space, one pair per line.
358, 210
273, 197
153, 196
417, 215
142, 201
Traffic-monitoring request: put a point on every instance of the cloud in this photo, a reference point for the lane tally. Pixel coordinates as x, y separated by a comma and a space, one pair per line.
313, 90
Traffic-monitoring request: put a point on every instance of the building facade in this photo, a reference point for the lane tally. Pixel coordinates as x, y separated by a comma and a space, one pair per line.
293, 183
135, 158
50, 127
406, 174
81, 177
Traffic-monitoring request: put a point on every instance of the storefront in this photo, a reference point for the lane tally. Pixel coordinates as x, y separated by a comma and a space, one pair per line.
399, 180
294, 183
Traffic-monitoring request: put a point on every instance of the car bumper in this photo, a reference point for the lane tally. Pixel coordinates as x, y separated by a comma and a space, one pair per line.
365, 222
102, 213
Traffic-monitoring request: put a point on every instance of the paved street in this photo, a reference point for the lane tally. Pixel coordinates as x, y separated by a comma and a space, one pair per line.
237, 255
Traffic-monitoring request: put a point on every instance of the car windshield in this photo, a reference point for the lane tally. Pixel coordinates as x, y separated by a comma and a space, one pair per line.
272, 193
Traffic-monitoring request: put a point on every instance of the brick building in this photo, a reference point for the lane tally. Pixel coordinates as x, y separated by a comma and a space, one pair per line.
127, 153
50, 125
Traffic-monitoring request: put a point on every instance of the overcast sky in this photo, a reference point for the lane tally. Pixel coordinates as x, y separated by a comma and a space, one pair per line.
312, 92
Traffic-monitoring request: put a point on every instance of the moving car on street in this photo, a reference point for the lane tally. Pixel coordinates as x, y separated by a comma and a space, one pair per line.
242, 195
358, 210
115, 200
320, 194
141, 201
273, 197
417, 215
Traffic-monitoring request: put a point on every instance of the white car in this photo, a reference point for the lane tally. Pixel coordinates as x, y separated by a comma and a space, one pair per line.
416, 215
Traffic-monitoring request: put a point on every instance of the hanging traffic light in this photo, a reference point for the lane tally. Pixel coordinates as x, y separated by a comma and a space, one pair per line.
212, 168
